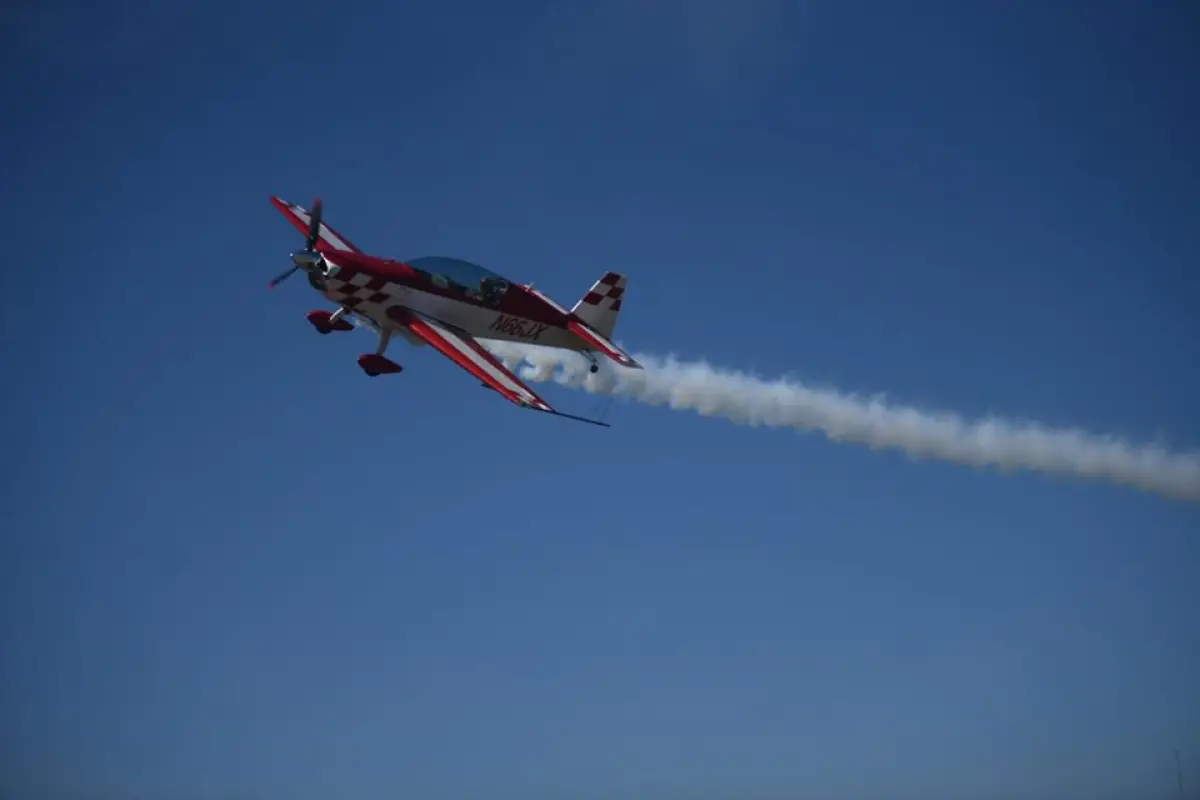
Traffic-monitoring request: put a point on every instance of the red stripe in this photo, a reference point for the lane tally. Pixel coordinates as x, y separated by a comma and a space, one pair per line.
442, 343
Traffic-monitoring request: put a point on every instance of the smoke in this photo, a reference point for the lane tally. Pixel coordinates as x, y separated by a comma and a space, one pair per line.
989, 442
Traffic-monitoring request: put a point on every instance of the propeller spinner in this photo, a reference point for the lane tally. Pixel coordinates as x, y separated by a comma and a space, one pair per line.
308, 258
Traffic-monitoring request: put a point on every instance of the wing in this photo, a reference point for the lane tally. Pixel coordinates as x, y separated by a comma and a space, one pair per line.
464, 350
329, 240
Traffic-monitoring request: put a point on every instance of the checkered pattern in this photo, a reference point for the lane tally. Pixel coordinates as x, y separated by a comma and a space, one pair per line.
606, 292
352, 289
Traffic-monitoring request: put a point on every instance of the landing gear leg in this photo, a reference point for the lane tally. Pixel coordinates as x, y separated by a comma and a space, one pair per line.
591, 357
376, 363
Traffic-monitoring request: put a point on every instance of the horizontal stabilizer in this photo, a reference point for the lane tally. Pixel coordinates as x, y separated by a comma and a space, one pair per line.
602, 344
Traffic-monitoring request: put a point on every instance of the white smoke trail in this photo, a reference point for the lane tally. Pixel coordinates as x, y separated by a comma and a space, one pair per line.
747, 400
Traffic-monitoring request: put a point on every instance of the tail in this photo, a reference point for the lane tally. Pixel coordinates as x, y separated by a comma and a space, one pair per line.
599, 307
595, 317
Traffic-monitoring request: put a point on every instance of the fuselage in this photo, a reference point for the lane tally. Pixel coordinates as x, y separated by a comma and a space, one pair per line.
454, 292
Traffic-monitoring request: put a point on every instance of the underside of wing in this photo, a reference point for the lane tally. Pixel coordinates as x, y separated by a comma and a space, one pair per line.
329, 238
468, 353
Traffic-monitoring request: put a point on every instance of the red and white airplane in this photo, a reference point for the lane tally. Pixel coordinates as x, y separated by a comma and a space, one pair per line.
450, 304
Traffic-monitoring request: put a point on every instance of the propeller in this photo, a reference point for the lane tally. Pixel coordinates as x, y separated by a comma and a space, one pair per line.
314, 225
310, 244
281, 277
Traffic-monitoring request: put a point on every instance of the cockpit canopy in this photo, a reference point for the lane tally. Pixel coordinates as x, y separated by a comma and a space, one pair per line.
457, 270
462, 276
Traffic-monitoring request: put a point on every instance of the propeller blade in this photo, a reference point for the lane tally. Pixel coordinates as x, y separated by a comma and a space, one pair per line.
281, 277
314, 225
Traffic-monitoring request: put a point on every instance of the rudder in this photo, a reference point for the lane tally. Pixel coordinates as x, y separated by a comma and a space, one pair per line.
598, 308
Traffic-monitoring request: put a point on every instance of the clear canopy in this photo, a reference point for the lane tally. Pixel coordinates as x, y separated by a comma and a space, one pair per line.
457, 270
462, 276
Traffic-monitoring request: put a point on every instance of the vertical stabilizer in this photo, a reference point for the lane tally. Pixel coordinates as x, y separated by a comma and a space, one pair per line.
599, 307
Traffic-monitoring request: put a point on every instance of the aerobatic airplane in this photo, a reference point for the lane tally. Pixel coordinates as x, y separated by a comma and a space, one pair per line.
450, 304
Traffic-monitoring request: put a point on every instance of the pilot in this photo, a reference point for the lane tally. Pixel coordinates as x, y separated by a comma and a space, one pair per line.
491, 290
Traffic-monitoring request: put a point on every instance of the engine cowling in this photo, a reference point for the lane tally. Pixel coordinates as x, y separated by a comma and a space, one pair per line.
309, 260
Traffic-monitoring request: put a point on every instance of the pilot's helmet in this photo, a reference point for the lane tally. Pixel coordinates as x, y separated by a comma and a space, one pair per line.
494, 286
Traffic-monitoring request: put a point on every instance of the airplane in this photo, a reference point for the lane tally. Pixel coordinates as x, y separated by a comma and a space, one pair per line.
449, 304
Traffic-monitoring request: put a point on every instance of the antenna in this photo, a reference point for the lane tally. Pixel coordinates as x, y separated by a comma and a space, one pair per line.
1178, 775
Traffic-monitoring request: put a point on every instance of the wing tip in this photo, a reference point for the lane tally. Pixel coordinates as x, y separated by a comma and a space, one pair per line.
536, 404
281, 205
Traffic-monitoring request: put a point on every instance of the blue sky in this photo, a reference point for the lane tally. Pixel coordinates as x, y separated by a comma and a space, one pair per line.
233, 567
